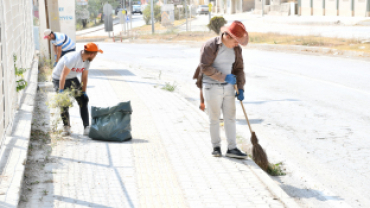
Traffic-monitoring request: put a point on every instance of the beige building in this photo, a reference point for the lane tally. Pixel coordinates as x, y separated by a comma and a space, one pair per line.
275, 7
229, 6
345, 8
225, 6
232, 6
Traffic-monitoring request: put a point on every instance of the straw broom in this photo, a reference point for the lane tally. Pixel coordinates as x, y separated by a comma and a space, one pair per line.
258, 154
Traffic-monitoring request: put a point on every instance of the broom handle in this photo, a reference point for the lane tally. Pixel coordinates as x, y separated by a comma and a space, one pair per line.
245, 113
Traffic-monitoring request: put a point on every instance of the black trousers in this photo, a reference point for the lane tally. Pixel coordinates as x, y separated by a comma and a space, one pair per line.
65, 52
81, 100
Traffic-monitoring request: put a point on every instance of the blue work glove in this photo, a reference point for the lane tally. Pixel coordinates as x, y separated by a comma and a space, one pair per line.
55, 63
230, 78
84, 95
240, 96
61, 91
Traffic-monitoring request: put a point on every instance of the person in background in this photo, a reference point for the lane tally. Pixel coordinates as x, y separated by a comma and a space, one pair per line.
61, 42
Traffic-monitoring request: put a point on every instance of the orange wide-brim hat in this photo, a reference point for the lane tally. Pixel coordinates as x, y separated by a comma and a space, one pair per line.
92, 47
237, 30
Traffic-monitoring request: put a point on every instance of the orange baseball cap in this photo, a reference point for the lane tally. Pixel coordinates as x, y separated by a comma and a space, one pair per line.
92, 47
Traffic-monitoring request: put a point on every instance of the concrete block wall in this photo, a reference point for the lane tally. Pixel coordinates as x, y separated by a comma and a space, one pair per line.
275, 2
267, 9
318, 7
248, 5
285, 9
331, 7
345, 8
258, 6
278, 2
360, 8
306, 9
16, 22
238, 6
274, 8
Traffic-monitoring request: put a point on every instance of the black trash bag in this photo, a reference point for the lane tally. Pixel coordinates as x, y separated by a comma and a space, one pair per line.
111, 123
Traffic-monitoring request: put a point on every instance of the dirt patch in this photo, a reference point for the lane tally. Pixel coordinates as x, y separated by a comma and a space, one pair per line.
183, 36
45, 69
268, 38
159, 27
334, 43
39, 175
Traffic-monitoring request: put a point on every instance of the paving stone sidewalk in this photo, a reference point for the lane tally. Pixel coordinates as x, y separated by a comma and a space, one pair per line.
167, 164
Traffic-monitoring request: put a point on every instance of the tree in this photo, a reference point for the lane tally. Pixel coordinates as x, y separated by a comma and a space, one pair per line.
216, 23
147, 14
157, 13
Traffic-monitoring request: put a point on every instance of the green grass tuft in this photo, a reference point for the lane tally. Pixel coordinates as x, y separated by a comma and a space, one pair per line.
170, 87
275, 169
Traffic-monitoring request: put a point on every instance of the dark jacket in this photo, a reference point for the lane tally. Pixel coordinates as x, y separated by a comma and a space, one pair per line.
208, 54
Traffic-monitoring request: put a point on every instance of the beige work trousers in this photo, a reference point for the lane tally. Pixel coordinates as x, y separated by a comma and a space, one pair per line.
217, 98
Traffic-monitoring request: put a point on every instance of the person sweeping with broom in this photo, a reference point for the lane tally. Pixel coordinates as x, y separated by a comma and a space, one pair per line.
221, 67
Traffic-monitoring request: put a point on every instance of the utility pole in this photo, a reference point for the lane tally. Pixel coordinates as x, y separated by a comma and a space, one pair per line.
152, 14
209, 12
52, 15
190, 16
262, 7
123, 17
186, 14
130, 2
125, 8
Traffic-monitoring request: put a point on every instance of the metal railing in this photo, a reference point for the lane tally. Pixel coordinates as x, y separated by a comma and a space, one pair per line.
16, 39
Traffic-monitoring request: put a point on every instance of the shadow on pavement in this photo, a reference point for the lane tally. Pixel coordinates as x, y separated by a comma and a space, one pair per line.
123, 72
252, 121
79, 202
120, 80
308, 193
268, 101
129, 200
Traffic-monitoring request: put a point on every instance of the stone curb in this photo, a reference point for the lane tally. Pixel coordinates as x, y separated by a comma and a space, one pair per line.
13, 154
258, 172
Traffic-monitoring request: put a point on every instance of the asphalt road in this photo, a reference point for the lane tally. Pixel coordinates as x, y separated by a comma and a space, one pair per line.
309, 112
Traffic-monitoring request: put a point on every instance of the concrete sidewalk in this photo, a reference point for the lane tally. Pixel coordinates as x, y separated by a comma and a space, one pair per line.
96, 28
168, 162
99, 31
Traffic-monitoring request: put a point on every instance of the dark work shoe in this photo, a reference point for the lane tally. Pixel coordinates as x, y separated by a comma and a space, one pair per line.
236, 153
217, 152
66, 131
86, 130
